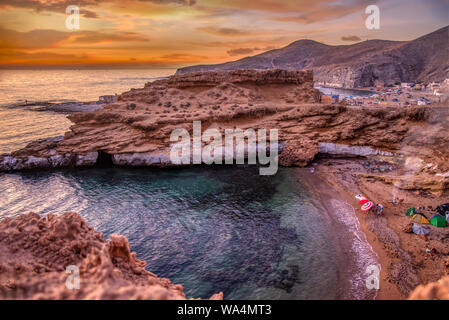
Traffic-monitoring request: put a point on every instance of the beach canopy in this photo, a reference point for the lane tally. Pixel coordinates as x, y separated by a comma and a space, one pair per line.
367, 206
419, 229
363, 201
418, 218
410, 212
438, 221
360, 197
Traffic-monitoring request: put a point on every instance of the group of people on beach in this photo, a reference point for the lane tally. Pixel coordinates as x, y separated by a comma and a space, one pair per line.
378, 209
369, 206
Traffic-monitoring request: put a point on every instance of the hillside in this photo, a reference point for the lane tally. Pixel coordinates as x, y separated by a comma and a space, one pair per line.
362, 64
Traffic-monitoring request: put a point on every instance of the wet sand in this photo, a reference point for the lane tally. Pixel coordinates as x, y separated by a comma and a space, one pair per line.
354, 250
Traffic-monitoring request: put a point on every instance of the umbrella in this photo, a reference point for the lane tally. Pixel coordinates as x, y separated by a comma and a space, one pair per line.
367, 206
363, 201
419, 229
360, 197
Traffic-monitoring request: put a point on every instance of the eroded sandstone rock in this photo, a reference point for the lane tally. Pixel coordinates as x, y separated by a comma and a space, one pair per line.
248, 99
432, 291
35, 252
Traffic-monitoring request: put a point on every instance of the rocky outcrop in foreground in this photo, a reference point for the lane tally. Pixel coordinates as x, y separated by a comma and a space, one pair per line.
135, 130
432, 291
35, 252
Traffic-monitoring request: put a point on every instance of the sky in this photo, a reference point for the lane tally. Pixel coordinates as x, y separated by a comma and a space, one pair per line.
175, 33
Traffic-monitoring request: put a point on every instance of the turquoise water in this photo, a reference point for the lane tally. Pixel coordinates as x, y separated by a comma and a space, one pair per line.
210, 229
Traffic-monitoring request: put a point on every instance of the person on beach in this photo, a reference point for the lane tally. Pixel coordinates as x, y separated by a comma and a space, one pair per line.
397, 200
379, 209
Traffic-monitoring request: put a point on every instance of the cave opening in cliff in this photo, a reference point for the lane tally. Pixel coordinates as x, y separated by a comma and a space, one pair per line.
104, 159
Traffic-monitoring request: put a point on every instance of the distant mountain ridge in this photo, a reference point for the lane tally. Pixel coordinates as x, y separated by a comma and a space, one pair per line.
363, 64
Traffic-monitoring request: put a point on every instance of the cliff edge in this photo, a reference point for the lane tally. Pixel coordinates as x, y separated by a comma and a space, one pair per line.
135, 131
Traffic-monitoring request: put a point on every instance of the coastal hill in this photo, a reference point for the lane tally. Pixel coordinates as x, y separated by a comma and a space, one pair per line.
363, 64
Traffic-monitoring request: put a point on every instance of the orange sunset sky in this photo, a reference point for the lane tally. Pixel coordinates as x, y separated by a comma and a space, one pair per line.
174, 33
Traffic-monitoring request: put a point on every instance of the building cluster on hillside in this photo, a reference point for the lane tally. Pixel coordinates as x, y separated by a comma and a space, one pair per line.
401, 94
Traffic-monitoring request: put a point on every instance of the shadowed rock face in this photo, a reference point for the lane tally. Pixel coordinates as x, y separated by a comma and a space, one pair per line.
359, 65
432, 291
35, 252
135, 131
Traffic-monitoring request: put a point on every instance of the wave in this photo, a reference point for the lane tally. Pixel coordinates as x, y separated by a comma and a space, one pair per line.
364, 253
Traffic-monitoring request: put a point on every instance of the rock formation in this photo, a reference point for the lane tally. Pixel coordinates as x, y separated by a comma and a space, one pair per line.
35, 253
135, 131
432, 291
363, 64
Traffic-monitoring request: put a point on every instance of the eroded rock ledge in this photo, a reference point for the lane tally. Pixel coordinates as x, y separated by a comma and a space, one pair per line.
136, 129
432, 291
35, 252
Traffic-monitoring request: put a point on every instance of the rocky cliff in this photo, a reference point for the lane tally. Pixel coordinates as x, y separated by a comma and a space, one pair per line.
135, 131
432, 291
362, 64
36, 252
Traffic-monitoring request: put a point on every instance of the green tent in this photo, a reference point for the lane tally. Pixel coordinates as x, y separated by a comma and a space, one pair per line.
410, 212
438, 221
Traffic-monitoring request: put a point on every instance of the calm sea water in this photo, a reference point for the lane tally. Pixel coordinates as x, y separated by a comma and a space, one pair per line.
211, 229
19, 126
71, 84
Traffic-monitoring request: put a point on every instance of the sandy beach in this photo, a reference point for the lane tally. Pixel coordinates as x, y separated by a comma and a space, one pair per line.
354, 250
403, 257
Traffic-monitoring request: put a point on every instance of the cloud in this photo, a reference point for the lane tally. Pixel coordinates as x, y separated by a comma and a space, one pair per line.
96, 37
351, 38
180, 2
25, 58
182, 57
35, 39
325, 10
228, 32
88, 14
58, 6
42, 39
240, 51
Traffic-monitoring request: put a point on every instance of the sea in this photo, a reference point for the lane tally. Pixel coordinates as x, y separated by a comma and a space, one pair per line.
211, 229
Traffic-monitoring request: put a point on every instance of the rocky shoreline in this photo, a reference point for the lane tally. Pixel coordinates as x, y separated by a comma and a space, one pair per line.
411, 143
136, 129
35, 253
